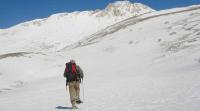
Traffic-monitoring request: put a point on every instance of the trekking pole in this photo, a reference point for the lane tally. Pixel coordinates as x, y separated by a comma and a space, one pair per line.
83, 91
84, 108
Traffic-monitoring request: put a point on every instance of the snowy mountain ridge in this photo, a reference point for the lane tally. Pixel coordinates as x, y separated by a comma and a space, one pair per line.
116, 9
54, 32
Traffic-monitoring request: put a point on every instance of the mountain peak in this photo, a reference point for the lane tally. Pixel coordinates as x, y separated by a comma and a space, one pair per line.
125, 8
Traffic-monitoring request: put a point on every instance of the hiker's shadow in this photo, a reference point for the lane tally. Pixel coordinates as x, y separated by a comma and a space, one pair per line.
63, 107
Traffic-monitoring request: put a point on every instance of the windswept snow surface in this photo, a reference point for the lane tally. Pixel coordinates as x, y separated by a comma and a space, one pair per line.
138, 64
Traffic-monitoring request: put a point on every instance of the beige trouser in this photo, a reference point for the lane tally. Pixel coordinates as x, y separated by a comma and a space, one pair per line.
74, 91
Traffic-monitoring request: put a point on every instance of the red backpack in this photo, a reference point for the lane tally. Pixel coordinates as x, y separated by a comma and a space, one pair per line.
70, 72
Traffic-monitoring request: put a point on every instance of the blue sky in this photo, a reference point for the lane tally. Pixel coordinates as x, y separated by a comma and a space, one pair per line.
13, 12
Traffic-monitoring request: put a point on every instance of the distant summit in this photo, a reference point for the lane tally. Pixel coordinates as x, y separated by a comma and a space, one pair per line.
125, 8
116, 9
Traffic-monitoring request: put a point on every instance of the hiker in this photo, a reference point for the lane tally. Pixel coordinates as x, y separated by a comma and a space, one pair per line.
74, 75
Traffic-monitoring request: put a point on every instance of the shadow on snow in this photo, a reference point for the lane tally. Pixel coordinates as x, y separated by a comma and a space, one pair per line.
63, 107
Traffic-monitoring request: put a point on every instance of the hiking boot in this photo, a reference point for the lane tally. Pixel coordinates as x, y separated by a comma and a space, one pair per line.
74, 107
79, 101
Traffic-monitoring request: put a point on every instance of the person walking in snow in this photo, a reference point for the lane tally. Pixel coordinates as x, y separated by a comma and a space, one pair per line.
74, 75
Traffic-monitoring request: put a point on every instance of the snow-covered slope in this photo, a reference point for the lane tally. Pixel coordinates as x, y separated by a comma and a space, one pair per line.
145, 63
54, 32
